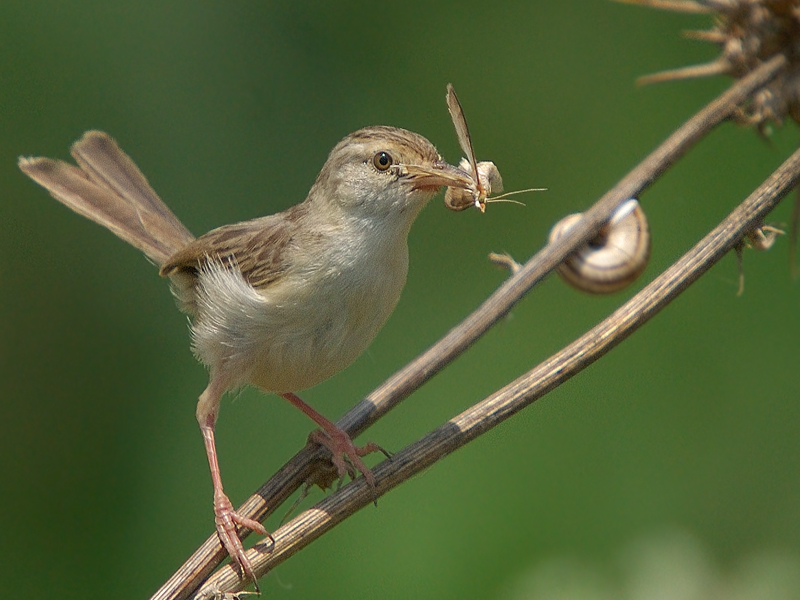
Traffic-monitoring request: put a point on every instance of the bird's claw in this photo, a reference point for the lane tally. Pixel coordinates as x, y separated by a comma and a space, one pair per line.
346, 456
226, 520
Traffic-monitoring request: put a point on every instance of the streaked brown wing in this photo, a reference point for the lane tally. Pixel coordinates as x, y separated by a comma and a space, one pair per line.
255, 247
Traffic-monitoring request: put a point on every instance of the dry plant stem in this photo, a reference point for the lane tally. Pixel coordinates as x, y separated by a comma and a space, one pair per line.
533, 385
494, 308
298, 470
684, 6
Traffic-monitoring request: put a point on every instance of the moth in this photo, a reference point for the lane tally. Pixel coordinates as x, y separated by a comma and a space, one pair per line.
485, 176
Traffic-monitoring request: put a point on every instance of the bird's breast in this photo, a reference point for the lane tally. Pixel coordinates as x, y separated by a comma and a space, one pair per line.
304, 328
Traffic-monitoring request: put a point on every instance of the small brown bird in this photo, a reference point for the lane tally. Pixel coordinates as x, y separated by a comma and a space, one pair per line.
281, 302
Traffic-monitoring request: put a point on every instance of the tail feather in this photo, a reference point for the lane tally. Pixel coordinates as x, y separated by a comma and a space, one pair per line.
109, 189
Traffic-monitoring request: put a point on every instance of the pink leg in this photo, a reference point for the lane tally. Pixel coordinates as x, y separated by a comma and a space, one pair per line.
338, 442
225, 517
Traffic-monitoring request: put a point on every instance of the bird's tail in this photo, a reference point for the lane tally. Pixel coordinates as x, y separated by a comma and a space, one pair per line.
108, 188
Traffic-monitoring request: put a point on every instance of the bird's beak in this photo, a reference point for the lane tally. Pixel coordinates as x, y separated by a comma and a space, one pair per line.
439, 174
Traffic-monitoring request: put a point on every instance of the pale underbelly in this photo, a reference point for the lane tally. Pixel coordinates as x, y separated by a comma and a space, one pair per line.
290, 339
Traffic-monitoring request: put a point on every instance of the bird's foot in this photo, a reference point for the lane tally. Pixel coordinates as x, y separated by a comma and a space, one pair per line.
226, 519
346, 456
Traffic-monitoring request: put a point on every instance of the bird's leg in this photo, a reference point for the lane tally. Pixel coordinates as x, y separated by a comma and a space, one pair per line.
338, 442
225, 517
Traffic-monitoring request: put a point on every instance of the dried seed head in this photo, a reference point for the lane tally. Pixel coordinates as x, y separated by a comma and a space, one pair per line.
748, 33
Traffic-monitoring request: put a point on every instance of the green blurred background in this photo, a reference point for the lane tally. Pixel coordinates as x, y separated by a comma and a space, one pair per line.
674, 459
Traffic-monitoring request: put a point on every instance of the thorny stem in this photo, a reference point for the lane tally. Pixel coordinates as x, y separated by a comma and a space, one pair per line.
303, 467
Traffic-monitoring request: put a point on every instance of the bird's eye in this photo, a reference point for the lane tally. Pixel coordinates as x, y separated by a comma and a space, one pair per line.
382, 161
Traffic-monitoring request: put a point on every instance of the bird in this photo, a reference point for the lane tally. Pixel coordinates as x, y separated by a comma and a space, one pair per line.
281, 302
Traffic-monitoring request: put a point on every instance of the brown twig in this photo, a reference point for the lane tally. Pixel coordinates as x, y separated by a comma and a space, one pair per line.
301, 468
684, 6
504, 403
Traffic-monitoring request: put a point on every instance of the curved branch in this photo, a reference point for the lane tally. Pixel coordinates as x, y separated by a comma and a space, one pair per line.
302, 467
504, 403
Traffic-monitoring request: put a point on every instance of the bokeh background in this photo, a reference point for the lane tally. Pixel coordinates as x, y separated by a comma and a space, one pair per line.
671, 466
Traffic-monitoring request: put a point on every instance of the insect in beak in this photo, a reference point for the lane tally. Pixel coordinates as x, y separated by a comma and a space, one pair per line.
483, 175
